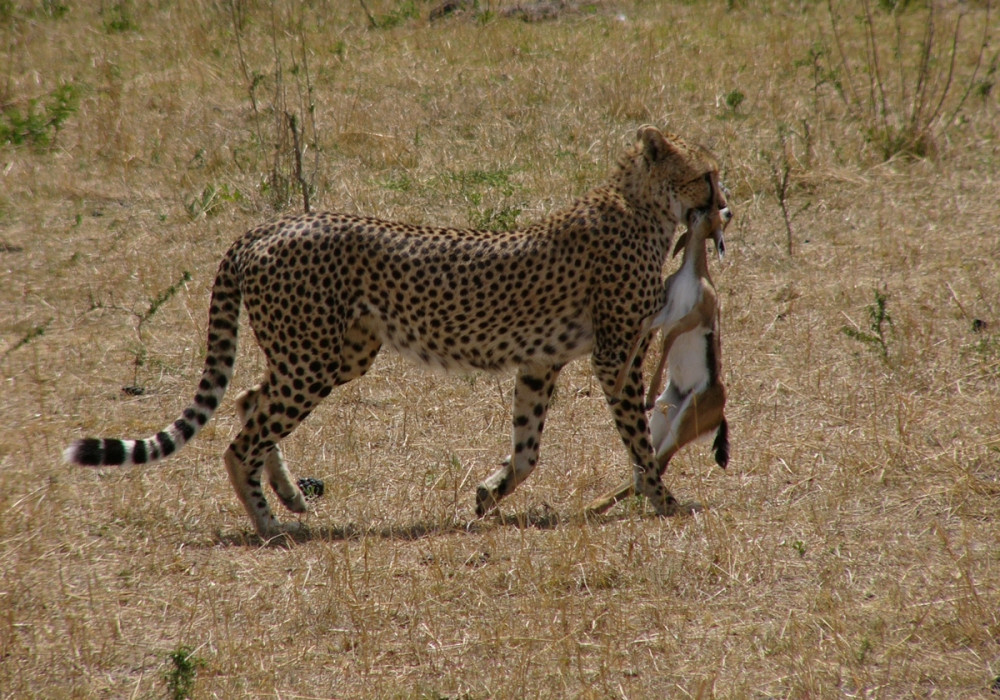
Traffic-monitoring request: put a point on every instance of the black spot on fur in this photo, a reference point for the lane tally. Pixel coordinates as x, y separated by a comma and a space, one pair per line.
533, 383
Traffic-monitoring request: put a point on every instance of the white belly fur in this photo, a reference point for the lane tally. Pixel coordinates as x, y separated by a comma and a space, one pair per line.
684, 295
687, 361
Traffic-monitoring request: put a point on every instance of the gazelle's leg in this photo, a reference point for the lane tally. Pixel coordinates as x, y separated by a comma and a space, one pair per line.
705, 413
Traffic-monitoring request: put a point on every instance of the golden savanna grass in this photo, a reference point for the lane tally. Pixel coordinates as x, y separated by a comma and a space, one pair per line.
851, 549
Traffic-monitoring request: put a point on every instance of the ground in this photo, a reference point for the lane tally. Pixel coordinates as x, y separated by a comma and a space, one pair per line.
852, 546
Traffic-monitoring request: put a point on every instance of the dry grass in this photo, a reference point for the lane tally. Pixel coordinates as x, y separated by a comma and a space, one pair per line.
852, 549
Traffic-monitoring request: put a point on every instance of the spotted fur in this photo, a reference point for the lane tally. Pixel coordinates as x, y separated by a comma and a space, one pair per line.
324, 292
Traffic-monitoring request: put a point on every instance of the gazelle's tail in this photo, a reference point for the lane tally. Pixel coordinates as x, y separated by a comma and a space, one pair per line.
721, 444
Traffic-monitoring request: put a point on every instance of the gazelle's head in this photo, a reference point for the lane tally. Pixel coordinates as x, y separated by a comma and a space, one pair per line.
709, 220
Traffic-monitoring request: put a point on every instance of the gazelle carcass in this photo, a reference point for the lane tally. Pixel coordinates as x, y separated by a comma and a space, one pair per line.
692, 405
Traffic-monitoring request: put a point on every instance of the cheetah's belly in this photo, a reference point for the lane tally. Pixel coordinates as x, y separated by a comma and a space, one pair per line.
490, 341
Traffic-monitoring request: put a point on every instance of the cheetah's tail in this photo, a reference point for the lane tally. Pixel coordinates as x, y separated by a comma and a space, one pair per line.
223, 321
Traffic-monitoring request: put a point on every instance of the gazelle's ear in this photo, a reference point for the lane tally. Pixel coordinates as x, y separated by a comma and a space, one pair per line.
681, 242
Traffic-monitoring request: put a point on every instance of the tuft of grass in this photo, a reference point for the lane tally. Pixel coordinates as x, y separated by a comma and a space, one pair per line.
472, 183
118, 17
404, 12
212, 201
284, 110
33, 333
735, 98
495, 218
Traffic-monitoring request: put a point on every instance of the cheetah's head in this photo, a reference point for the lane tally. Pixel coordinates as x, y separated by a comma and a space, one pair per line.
682, 177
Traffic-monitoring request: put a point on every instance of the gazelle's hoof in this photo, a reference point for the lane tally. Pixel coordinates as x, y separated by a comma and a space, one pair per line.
312, 488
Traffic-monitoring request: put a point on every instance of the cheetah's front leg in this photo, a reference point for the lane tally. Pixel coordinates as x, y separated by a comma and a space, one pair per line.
532, 392
630, 419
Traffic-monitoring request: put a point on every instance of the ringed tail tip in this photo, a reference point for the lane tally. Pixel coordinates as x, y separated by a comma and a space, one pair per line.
95, 452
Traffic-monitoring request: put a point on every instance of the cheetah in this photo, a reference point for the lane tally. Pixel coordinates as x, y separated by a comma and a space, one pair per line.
325, 291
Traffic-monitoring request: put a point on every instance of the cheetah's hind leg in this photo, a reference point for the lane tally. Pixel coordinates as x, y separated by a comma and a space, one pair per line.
532, 393
359, 348
292, 496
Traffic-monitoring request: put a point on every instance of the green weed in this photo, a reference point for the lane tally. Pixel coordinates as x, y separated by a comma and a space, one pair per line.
291, 119
401, 182
879, 325
495, 219
212, 200
406, 11
139, 351
118, 17
473, 180
183, 672
35, 332
902, 88
864, 650
40, 123
734, 98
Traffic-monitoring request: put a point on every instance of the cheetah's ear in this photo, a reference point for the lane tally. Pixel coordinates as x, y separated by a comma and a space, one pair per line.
681, 242
655, 146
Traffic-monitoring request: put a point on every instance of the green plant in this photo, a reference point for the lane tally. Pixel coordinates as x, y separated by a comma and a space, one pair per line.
54, 9
180, 677
406, 10
472, 184
400, 182
734, 98
902, 89
41, 122
864, 650
140, 353
818, 61
211, 200
475, 179
34, 332
118, 17
495, 219
779, 161
879, 324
